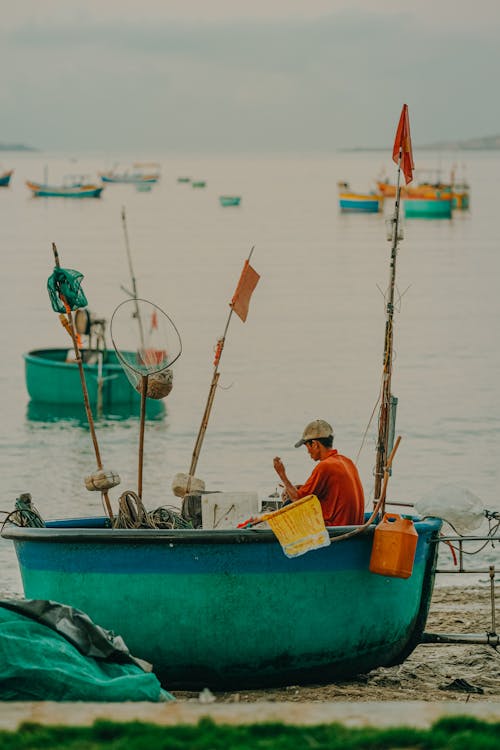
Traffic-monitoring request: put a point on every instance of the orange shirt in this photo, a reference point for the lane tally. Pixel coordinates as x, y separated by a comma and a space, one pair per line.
335, 482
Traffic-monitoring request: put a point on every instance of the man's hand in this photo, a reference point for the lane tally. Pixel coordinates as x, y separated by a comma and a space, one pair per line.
279, 468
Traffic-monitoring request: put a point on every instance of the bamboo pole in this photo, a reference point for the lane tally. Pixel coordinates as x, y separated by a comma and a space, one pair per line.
132, 278
210, 399
144, 389
88, 410
385, 406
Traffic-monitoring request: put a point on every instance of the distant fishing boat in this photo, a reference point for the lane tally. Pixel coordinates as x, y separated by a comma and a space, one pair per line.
5, 178
52, 375
184, 179
430, 186
69, 189
199, 184
428, 208
140, 172
53, 379
368, 203
229, 200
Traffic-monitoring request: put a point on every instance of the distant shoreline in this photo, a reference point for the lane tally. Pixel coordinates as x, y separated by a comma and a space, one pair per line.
16, 147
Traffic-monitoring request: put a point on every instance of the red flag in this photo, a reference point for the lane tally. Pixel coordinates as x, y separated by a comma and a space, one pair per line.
154, 320
402, 143
241, 298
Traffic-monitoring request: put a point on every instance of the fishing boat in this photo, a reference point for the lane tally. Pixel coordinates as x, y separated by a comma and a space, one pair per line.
138, 173
66, 190
429, 208
5, 178
53, 379
229, 200
220, 603
367, 203
198, 184
430, 186
225, 607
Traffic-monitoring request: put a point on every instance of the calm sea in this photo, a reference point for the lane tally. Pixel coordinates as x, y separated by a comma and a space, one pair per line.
312, 344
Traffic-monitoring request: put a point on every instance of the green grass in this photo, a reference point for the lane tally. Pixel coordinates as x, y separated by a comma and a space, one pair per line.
460, 733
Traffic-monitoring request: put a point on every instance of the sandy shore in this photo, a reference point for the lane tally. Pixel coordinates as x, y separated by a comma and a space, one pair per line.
431, 673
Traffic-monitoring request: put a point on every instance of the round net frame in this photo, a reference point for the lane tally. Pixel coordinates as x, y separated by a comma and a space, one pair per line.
145, 339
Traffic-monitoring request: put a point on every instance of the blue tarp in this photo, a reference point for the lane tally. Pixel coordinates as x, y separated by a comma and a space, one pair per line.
39, 662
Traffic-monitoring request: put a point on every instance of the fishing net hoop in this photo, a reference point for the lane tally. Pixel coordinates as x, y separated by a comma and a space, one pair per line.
150, 369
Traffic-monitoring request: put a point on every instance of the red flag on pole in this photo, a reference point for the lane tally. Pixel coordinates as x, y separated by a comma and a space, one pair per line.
241, 298
402, 143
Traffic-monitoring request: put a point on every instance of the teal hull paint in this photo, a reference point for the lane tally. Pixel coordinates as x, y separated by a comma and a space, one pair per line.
49, 379
428, 209
228, 609
130, 179
360, 206
229, 200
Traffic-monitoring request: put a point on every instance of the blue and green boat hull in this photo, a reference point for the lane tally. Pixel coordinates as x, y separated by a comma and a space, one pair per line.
227, 608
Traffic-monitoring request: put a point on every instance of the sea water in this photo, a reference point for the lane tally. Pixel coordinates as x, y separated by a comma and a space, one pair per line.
312, 345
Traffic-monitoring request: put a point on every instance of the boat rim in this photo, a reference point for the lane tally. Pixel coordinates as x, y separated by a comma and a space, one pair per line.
61, 531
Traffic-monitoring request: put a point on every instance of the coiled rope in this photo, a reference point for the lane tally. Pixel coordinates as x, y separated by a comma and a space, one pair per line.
25, 513
133, 515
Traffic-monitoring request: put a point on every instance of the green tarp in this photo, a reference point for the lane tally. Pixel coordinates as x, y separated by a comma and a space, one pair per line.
39, 663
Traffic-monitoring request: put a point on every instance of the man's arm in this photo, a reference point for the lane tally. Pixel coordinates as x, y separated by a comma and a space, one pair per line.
291, 490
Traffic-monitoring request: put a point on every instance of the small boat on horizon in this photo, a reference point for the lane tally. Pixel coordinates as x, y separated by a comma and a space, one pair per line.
229, 200
198, 184
66, 190
366, 203
140, 172
5, 178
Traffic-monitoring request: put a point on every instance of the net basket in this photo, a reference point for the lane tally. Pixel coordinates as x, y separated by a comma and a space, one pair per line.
299, 527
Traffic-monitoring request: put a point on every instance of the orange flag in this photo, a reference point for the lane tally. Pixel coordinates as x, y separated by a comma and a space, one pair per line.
241, 298
403, 143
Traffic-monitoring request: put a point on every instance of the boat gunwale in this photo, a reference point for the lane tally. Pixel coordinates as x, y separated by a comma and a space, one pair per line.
64, 534
36, 356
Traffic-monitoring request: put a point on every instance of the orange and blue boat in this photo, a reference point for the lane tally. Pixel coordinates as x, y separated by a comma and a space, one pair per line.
367, 203
71, 187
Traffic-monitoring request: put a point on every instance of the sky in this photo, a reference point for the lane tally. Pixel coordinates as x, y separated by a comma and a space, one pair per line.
211, 76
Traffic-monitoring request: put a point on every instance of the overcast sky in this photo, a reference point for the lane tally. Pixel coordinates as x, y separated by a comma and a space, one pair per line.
239, 76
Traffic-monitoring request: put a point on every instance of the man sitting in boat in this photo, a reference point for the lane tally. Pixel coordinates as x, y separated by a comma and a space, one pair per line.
335, 480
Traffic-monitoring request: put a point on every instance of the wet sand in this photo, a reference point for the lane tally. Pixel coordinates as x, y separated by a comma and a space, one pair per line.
431, 673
